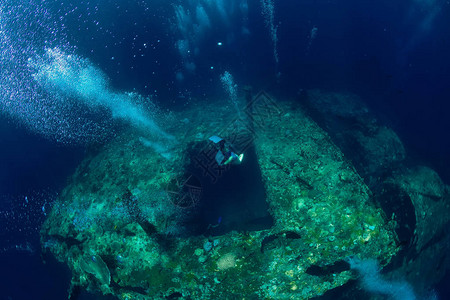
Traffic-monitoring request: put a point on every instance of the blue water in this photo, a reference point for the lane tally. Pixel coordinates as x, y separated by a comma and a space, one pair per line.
148, 58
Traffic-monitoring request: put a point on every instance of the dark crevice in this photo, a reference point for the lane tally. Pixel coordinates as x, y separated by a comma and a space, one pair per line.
176, 295
232, 197
397, 203
138, 290
349, 290
278, 240
267, 241
69, 241
337, 267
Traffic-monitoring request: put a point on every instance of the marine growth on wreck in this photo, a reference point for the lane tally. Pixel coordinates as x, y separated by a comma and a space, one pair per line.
140, 223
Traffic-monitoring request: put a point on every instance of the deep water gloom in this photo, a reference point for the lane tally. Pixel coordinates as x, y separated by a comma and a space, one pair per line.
224, 149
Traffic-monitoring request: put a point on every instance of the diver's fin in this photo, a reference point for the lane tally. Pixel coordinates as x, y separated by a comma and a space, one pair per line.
215, 139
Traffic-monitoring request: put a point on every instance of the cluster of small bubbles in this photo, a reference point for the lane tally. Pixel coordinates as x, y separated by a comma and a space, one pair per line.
268, 12
196, 22
82, 222
22, 216
26, 248
46, 87
229, 85
231, 88
83, 216
312, 37
22, 99
153, 209
50, 244
120, 211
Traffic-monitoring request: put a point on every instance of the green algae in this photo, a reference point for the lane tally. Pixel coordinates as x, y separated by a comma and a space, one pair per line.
322, 210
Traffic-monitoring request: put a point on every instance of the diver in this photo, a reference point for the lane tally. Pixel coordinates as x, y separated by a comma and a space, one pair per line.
225, 152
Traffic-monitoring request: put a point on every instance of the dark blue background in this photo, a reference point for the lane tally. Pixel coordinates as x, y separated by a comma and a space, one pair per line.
376, 49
